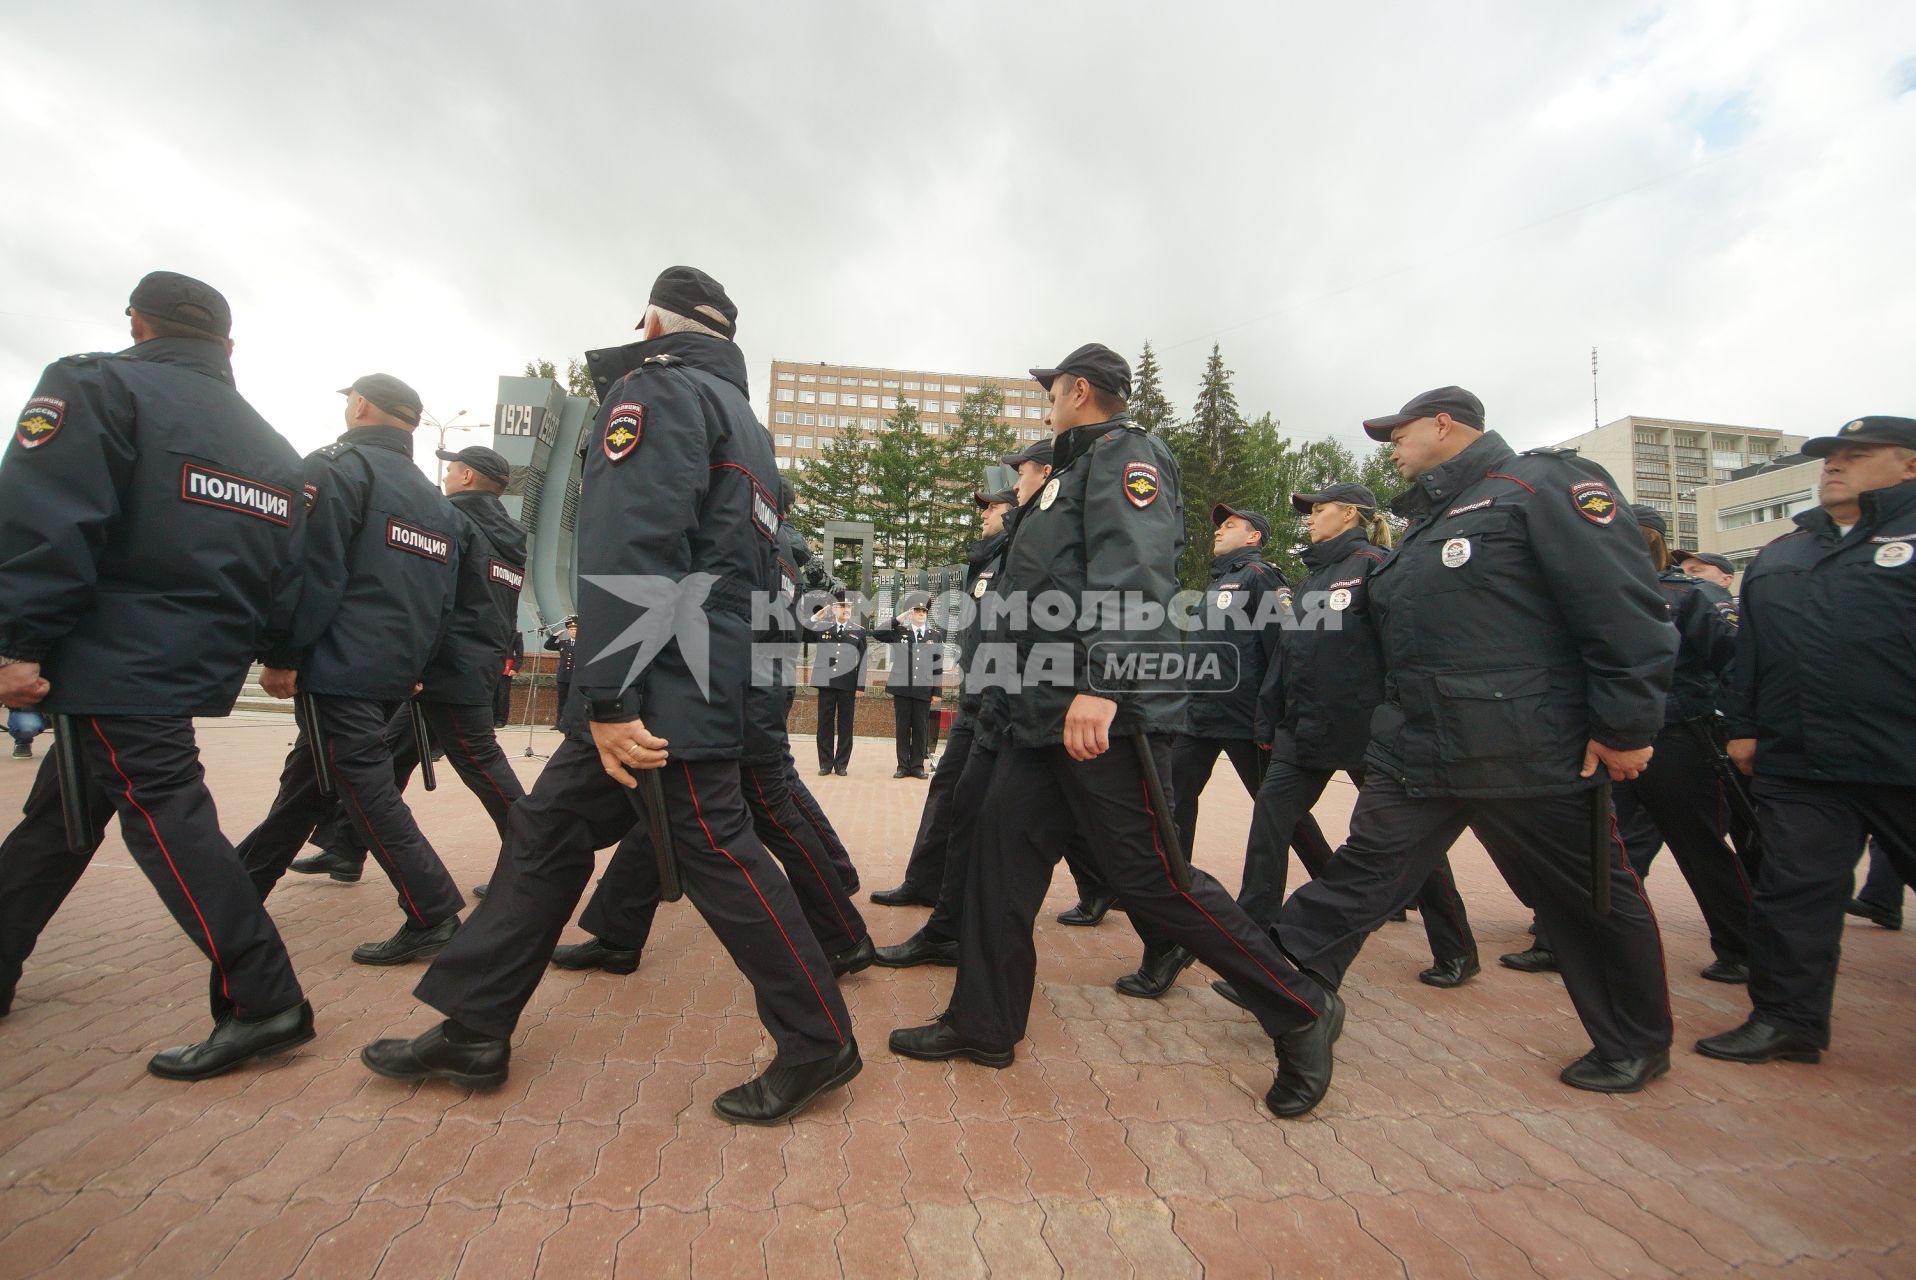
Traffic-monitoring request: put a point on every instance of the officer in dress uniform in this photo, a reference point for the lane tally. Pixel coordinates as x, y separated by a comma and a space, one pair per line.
457, 697
838, 668
680, 498
1525, 647
380, 571
1085, 742
147, 525
917, 670
1827, 616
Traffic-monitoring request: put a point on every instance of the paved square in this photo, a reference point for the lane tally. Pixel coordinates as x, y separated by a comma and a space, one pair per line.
1128, 1139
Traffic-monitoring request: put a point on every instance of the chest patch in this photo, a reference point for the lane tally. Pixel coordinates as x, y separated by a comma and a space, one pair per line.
1140, 484
984, 581
420, 542
622, 427
506, 575
39, 420
1594, 502
235, 493
1892, 555
1225, 597
1340, 599
1456, 553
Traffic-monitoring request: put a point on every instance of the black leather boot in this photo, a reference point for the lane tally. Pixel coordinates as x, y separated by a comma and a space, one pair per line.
783, 1092
234, 1043
476, 1064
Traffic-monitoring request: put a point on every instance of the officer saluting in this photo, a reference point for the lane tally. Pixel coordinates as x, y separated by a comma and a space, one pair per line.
838, 667
1822, 710
1525, 646
1084, 744
147, 517
679, 497
379, 568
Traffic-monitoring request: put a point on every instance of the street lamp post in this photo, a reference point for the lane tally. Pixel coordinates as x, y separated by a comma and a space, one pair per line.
439, 468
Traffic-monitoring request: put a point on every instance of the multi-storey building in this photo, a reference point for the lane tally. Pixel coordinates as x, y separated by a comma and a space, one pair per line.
1754, 507
1664, 462
810, 404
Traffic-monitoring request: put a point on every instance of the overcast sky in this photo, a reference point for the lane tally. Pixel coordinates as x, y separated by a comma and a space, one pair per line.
1357, 201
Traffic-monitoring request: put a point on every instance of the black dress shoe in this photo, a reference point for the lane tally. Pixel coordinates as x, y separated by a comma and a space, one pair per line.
1398, 917
1089, 911
479, 1064
903, 896
328, 863
783, 1092
918, 773
1229, 992
853, 885
1760, 1042
479, 890
843, 773
899, 772
1614, 1075
1535, 960
408, 944
1304, 1062
917, 950
824, 773
1886, 917
234, 1043
860, 955
1734, 972
938, 1042
595, 954
1454, 972
1157, 974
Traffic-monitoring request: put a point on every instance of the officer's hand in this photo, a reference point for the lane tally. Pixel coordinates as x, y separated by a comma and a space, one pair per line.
1742, 753
279, 682
1621, 764
21, 685
623, 747
1087, 726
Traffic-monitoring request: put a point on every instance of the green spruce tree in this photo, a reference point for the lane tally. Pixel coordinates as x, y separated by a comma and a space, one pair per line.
1150, 408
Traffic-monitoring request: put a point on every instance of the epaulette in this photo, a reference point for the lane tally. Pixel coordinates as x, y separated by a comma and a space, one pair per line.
84, 357
337, 449
662, 358
1549, 451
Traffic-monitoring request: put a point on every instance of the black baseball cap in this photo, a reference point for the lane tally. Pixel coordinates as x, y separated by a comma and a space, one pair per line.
388, 393
1220, 513
689, 292
1876, 429
1097, 364
1649, 517
1039, 453
1008, 497
1357, 495
167, 295
489, 463
1455, 401
1710, 558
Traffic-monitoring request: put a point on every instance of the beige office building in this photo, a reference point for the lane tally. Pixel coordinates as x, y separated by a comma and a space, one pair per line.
810, 404
1746, 513
1667, 463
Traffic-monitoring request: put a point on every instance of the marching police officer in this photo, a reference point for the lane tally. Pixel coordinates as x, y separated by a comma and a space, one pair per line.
679, 519
917, 668
1084, 742
1827, 615
1525, 647
1315, 711
838, 668
457, 697
1709, 566
380, 570
147, 523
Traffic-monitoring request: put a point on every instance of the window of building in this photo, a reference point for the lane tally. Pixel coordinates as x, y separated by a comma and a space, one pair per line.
1648, 437
786, 393
827, 420
782, 441
912, 386
868, 402
868, 382
870, 424
828, 397
1032, 411
951, 406
932, 428
1034, 435
892, 383
1749, 513
950, 387
807, 420
808, 377
828, 377
783, 415
808, 397
804, 442
785, 375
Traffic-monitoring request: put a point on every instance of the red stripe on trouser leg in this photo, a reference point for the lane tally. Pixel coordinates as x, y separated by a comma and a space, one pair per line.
473, 760
799, 845
385, 858
1165, 862
712, 840
154, 827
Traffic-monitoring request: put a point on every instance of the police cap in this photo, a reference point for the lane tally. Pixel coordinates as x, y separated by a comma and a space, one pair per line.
1097, 364
1710, 558
1877, 429
1004, 497
1356, 495
1648, 517
1455, 401
167, 295
1039, 453
1220, 513
390, 394
689, 292
489, 463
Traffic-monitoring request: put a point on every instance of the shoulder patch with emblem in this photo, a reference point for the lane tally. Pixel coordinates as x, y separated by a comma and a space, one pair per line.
622, 427
1594, 501
39, 421
1140, 484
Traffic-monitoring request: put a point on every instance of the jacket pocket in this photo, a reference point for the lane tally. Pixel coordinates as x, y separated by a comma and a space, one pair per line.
1503, 714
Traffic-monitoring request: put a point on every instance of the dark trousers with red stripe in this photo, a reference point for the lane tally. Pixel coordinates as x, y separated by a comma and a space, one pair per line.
1612, 965
1289, 790
147, 770
835, 850
1036, 796
1193, 759
465, 736
489, 971
355, 734
925, 869
1813, 834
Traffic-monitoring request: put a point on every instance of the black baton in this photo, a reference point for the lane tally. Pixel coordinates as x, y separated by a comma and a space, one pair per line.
72, 775
306, 715
670, 889
1167, 826
1602, 842
422, 743
1735, 788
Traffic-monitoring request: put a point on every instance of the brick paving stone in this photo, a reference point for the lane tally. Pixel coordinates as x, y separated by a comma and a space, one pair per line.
1393, 1222
432, 1248
1308, 1237
752, 1165
1010, 1239
587, 1245
936, 1167
943, 1240
689, 1166
118, 1245
510, 1245
871, 1245
627, 1164
815, 1166
660, 1243
803, 1243
1209, 1230
357, 1246
874, 1157
733, 1244
278, 1245
561, 1164
200, 1244
994, 1169
1078, 1233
